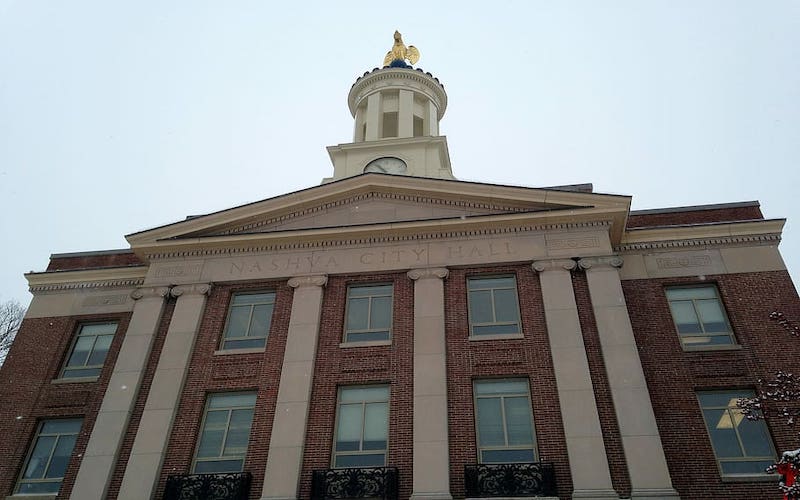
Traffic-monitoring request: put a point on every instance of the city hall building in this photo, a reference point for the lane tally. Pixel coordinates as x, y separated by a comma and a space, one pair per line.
398, 333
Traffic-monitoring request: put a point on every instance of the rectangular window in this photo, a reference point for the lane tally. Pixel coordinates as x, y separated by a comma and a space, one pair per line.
369, 313
362, 427
49, 456
742, 447
503, 421
225, 432
249, 320
89, 350
699, 316
493, 306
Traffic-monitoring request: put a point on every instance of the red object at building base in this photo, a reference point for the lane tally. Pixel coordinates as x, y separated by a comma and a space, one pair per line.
789, 474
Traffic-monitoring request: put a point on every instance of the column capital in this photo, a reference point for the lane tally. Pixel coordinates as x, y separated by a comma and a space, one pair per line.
428, 273
192, 289
150, 292
609, 261
553, 265
305, 281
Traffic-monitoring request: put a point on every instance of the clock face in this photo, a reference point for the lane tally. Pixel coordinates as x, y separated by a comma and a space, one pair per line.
387, 165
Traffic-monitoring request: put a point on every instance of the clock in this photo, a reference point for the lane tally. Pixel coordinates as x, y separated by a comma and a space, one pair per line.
387, 165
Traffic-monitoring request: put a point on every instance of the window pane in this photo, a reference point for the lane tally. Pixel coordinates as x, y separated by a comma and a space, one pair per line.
505, 305
207, 467
47, 487
368, 393
495, 329
357, 310
61, 455
72, 426
253, 298
98, 329
259, 325
244, 343
506, 456
367, 291
480, 307
367, 336
376, 426
490, 423
80, 353
748, 467
723, 399
213, 434
348, 435
500, 282
39, 457
238, 432
501, 386
100, 350
381, 312
723, 437
81, 372
755, 438
694, 292
685, 318
518, 421
712, 316
360, 460
232, 399
237, 323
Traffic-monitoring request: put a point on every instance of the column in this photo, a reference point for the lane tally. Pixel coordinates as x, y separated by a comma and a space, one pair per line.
109, 429
641, 442
374, 117
431, 448
588, 463
405, 114
285, 454
152, 437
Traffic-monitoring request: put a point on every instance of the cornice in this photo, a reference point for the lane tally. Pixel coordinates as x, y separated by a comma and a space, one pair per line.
311, 239
703, 235
86, 279
403, 78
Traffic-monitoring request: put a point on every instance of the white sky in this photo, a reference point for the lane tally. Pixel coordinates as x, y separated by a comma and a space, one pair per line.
117, 117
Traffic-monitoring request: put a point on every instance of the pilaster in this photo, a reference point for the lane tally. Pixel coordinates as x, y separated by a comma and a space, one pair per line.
588, 462
100, 457
285, 454
431, 447
155, 426
644, 454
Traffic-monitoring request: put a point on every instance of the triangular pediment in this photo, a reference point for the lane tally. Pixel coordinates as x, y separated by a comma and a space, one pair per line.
378, 203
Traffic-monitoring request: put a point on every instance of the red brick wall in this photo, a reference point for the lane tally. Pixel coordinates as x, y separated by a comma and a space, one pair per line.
526, 358
602, 391
259, 372
94, 261
335, 367
26, 391
695, 217
673, 375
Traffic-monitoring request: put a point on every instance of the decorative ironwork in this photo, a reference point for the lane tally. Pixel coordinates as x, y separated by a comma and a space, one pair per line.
509, 480
233, 486
378, 482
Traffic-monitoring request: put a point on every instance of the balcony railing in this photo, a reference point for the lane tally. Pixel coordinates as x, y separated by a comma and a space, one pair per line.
232, 486
509, 480
377, 482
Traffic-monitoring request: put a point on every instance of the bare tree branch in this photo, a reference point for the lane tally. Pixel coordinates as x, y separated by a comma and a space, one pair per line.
11, 313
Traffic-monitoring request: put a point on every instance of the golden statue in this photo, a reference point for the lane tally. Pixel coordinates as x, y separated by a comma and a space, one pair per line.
400, 52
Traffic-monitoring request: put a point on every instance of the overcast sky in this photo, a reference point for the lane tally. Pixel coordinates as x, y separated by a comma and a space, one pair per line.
121, 116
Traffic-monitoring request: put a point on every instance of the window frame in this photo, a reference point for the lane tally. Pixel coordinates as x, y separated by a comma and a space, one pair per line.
32, 446
347, 331
733, 344
224, 338
230, 409
471, 324
475, 396
742, 393
66, 368
364, 403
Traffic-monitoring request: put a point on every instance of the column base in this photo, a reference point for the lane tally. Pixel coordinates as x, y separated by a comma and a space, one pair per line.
595, 494
434, 495
278, 498
655, 494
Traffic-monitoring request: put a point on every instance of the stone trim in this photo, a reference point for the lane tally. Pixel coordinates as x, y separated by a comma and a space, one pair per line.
611, 261
193, 289
428, 273
112, 277
150, 292
383, 238
700, 242
554, 265
425, 82
308, 281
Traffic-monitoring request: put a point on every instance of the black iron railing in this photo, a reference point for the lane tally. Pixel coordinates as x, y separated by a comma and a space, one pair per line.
232, 486
509, 480
377, 482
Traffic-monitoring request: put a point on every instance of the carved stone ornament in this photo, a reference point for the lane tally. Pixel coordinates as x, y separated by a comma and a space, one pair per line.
304, 281
428, 273
554, 265
193, 289
150, 292
611, 261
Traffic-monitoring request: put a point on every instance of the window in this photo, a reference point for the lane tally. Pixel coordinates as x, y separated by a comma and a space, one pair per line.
742, 447
89, 350
225, 432
49, 456
362, 427
493, 307
369, 313
503, 421
248, 321
699, 316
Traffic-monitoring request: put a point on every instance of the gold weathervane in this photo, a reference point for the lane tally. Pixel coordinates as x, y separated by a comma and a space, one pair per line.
400, 52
